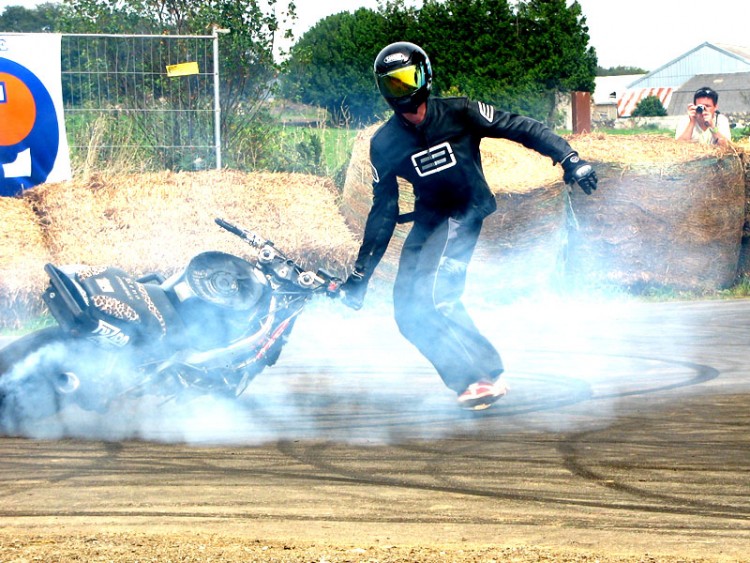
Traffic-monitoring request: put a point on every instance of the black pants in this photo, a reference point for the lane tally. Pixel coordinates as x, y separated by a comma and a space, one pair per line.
427, 302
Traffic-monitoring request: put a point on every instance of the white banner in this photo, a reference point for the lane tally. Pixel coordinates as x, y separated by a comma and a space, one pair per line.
33, 144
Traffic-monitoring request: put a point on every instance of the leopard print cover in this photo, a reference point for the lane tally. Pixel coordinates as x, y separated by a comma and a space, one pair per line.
119, 309
152, 308
115, 308
89, 272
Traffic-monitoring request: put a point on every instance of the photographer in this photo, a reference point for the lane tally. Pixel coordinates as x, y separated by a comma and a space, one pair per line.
703, 122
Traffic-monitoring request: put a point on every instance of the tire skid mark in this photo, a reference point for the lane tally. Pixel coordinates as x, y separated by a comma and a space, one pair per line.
314, 456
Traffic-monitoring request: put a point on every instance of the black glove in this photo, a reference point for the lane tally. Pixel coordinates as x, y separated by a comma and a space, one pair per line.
579, 171
354, 290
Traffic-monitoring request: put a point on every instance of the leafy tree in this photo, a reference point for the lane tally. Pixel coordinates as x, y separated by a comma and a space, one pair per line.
517, 55
650, 106
619, 70
331, 64
17, 19
471, 44
554, 45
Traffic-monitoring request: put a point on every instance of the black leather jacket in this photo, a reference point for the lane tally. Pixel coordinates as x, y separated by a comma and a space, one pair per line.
440, 158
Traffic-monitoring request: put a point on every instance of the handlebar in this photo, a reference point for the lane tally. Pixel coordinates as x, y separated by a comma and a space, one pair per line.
247, 236
270, 255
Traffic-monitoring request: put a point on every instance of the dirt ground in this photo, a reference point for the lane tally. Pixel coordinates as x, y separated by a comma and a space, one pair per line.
624, 438
20, 546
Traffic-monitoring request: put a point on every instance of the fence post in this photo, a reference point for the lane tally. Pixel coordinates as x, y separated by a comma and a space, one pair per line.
581, 112
217, 102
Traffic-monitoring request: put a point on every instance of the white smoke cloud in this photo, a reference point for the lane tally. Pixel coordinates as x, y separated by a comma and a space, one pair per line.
349, 376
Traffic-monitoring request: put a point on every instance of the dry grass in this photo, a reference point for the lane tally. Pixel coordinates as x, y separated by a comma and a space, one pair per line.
157, 221
640, 150
666, 212
23, 253
511, 168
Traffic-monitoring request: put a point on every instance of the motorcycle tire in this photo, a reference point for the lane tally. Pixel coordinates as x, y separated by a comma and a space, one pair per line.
31, 384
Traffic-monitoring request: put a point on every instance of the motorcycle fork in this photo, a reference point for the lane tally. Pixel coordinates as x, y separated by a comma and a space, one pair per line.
276, 334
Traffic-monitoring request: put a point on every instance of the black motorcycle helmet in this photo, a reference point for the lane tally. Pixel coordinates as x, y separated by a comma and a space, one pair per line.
404, 76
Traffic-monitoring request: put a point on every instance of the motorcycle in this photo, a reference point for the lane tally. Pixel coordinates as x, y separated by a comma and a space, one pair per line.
211, 327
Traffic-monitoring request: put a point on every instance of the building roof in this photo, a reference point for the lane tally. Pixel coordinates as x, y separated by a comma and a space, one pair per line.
609, 89
629, 100
705, 58
740, 51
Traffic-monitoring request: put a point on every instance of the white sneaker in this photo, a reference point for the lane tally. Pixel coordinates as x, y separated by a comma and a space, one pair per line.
481, 395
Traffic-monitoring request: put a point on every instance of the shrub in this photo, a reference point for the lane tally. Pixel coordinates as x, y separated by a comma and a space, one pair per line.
650, 106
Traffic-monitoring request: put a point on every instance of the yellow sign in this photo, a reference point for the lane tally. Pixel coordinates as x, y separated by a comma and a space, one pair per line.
182, 69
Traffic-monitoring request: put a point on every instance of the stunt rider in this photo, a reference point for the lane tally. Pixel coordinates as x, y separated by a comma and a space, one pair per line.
433, 143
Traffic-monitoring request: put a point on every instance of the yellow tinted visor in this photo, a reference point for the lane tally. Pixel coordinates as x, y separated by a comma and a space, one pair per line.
403, 81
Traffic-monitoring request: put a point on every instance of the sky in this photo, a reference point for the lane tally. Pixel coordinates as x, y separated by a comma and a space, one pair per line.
637, 33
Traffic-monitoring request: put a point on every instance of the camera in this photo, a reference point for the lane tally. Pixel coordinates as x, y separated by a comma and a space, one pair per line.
700, 108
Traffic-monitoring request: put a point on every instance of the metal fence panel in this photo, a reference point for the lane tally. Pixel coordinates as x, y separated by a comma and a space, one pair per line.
123, 109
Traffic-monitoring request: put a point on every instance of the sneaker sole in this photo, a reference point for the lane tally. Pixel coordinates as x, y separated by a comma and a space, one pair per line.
481, 403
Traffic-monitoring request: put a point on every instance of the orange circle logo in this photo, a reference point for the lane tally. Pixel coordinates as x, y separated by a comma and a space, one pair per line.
17, 110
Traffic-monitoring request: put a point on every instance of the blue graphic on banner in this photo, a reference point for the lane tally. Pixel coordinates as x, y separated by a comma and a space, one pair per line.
29, 132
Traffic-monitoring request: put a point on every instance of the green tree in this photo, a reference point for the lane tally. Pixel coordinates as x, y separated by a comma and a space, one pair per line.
619, 70
472, 45
331, 65
17, 19
552, 49
650, 106
553, 45
516, 56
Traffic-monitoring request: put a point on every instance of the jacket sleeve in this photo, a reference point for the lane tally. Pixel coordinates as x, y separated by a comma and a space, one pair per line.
381, 221
533, 134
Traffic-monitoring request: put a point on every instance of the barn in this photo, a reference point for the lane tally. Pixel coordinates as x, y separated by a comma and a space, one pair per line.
706, 58
725, 68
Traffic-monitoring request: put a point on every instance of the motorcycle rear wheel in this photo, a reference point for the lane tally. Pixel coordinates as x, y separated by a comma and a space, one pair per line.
33, 384
27, 394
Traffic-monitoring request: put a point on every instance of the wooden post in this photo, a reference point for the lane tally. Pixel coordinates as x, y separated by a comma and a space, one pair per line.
581, 112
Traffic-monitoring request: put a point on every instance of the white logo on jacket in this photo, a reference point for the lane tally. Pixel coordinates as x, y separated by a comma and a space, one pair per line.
375, 175
434, 159
487, 111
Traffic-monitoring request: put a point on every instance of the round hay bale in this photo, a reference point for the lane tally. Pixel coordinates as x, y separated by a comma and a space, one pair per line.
158, 221
744, 152
665, 214
521, 243
23, 254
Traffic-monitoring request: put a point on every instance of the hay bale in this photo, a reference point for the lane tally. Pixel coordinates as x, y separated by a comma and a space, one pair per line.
521, 243
665, 214
157, 221
23, 253
743, 149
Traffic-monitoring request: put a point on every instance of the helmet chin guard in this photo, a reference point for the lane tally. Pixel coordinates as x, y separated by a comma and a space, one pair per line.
403, 74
